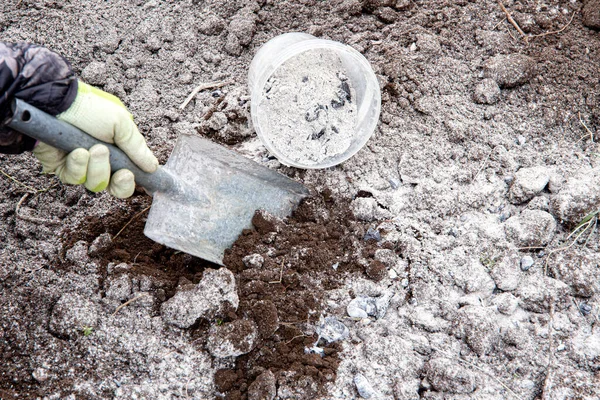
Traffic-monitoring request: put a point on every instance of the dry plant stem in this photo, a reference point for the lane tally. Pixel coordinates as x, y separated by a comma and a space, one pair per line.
512, 21
204, 86
27, 218
295, 337
16, 181
498, 24
128, 303
554, 32
479, 369
130, 221
525, 36
213, 108
585, 228
586, 128
483, 165
280, 275
547, 388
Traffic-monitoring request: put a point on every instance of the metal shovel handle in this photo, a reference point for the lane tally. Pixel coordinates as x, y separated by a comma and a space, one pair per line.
50, 130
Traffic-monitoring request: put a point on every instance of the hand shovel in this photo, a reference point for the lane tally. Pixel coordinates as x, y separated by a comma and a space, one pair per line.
203, 197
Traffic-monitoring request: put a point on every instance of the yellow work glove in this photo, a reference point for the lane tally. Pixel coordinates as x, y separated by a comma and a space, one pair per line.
106, 118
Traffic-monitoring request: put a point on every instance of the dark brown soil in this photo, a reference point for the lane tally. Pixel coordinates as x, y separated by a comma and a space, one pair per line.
283, 296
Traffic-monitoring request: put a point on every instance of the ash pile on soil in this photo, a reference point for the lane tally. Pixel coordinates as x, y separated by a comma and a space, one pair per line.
283, 270
308, 108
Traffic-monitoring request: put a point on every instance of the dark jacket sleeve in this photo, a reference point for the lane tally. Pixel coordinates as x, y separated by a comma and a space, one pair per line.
38, 76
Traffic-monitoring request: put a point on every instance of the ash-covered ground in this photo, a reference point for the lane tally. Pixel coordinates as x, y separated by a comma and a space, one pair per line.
451, 247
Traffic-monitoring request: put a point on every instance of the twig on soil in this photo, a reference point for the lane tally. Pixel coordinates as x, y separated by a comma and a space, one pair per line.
590, 220
523, 34
31, 189
482, 165
187, 395
531, 248
479, 369
512, 21
280, 275
204, 86
498, 24
16, 181
131, 220
32, 219
295, 337
586, 128
128, 302
548, 381
213, 108
554, 32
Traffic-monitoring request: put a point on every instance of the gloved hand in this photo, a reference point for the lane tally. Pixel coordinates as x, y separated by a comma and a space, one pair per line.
106, 118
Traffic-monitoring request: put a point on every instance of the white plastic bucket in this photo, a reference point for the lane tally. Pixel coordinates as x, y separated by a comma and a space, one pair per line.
358, 70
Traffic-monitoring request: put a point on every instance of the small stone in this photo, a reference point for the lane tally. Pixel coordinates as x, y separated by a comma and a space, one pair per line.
364, 388
585, 308
263, 387
445, 375
528, 183
40, 374
526, 263
213, 294
253, 261
591, 14
100, 245
527, 384
521, 140
394, 183
509, 70
95, 73
232, 339
487, 92
372, 234
531, 228
363, 306
332, 330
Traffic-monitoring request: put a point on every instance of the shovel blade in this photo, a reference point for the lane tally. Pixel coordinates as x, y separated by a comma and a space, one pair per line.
236, 188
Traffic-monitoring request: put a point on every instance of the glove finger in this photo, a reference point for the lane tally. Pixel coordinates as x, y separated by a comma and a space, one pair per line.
50, 157
130, 140
122, 184
74, 170
98, 169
